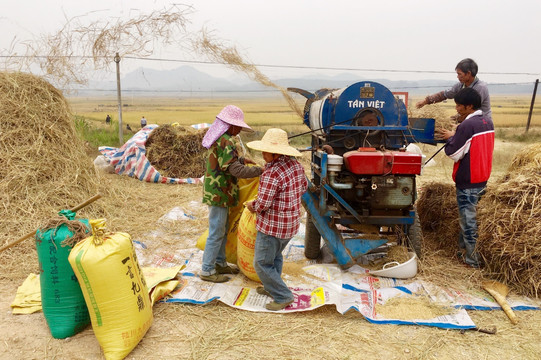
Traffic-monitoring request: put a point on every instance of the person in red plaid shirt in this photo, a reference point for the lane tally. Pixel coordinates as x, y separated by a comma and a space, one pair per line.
277, 206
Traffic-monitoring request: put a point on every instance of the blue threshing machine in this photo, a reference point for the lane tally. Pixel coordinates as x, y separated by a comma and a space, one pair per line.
362, 188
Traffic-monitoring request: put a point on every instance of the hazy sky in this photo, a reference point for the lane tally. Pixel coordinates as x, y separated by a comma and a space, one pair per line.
502, 36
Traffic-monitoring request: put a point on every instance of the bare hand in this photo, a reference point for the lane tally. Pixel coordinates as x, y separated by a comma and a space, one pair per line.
420, 104
443, 134
250, 206
249, 161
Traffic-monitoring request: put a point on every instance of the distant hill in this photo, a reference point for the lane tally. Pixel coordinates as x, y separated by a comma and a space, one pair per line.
188, 80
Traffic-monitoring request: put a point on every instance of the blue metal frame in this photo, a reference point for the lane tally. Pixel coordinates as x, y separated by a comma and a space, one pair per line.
345, 251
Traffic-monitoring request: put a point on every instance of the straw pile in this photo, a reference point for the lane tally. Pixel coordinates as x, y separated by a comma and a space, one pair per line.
510, 231
438, 214
43, 161
436, 112
176, 151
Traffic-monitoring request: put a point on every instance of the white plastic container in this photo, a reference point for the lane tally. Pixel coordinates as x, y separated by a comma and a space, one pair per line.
401, 271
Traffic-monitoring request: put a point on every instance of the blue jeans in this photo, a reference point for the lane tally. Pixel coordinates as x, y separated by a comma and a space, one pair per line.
215, 245
467, 200
268, 262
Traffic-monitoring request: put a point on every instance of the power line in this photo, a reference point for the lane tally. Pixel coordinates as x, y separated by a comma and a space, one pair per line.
261, 91
269, 65
324, 68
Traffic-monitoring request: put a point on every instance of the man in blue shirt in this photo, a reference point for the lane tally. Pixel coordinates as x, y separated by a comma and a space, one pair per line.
466, 71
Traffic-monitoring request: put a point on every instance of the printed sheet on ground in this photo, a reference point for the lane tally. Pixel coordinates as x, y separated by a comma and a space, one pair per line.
316, 285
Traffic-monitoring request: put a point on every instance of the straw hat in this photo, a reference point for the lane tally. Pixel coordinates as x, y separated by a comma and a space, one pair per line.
275, 142
233, 115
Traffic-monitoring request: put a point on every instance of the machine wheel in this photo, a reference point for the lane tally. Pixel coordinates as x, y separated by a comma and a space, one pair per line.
312, 240
415, 236
413, 239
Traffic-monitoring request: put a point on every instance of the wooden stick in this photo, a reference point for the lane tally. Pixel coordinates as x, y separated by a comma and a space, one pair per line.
29, 235
490, 331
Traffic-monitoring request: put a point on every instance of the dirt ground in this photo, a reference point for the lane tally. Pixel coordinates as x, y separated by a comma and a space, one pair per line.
216, 331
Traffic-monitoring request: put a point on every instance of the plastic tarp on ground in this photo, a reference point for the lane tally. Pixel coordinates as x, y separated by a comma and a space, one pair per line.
131, 160
321, 284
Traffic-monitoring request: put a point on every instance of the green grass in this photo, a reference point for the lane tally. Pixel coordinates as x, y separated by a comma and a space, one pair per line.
533, 135
96, 136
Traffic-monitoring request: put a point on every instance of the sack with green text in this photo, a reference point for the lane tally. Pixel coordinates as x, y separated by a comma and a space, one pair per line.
62, 300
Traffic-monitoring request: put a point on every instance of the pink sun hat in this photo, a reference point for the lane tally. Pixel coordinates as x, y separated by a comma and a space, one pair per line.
233, 115
230, 115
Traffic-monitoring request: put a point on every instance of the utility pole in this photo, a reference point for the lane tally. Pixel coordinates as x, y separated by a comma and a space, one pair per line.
531, 105
119, 98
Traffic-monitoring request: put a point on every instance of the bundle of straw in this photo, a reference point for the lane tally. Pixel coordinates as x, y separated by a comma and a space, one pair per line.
438, 214
510, 231
436, 112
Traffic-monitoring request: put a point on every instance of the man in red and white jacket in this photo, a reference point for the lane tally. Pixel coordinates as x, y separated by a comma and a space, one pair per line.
471, 147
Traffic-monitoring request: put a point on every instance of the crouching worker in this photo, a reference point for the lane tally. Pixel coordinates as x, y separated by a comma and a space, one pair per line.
277, 206
220, 189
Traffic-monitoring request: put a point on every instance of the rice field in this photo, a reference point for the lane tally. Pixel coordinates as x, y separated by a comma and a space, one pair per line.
508, 111
266, 113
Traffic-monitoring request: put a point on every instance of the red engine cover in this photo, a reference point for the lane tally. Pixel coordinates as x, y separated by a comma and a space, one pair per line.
369, 161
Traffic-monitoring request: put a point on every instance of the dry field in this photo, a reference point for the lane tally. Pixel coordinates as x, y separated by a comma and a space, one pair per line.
216, 331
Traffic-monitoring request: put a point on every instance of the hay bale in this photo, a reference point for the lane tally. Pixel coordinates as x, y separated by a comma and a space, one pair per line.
44, 164
438, 214
176, 151
510, 224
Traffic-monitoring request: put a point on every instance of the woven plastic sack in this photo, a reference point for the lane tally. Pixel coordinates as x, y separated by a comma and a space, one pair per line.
62, 301
246, 244
247, 190
114, 289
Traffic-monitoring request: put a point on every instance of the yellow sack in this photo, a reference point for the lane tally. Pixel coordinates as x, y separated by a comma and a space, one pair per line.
247, 190
28, 297
114, 289
159, 281
246, 244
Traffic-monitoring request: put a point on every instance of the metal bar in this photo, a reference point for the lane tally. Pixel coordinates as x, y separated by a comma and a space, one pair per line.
344, 203
119, 98
362, 128
379, 220
436, 153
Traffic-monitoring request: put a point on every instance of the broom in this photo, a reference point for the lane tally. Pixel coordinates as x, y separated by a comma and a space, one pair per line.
499, 291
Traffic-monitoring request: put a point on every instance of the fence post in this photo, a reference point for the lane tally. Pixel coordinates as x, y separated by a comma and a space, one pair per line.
531, 105
119, 98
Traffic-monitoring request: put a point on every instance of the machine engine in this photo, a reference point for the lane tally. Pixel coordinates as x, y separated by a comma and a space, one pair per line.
362, 177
